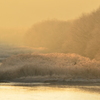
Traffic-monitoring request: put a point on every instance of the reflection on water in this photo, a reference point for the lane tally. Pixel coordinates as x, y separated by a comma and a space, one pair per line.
49, 92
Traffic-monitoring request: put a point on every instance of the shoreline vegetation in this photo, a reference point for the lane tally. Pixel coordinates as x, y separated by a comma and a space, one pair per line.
50, 68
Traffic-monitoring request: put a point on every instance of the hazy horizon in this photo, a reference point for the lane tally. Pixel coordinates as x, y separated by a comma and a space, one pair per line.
55, 26
23, 13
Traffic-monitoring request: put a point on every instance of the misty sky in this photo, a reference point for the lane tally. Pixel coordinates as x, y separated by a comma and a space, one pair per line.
24, 13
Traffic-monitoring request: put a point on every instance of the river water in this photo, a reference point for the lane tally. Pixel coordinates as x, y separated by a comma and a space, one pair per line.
15, 91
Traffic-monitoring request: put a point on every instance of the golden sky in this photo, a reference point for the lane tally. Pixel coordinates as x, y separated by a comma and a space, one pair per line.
24, 13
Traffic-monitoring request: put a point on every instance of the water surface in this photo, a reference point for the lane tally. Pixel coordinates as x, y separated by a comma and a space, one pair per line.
48, 92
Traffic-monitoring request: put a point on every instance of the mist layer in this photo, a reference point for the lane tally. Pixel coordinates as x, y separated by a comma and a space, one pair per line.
80, 36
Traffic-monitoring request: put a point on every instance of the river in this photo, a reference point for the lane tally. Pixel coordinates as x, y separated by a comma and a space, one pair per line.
31, 91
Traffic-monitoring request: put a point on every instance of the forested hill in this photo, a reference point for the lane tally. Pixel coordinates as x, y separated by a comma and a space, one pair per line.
80, 36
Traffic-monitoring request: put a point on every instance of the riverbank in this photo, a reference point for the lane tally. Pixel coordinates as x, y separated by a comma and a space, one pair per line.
40, 80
